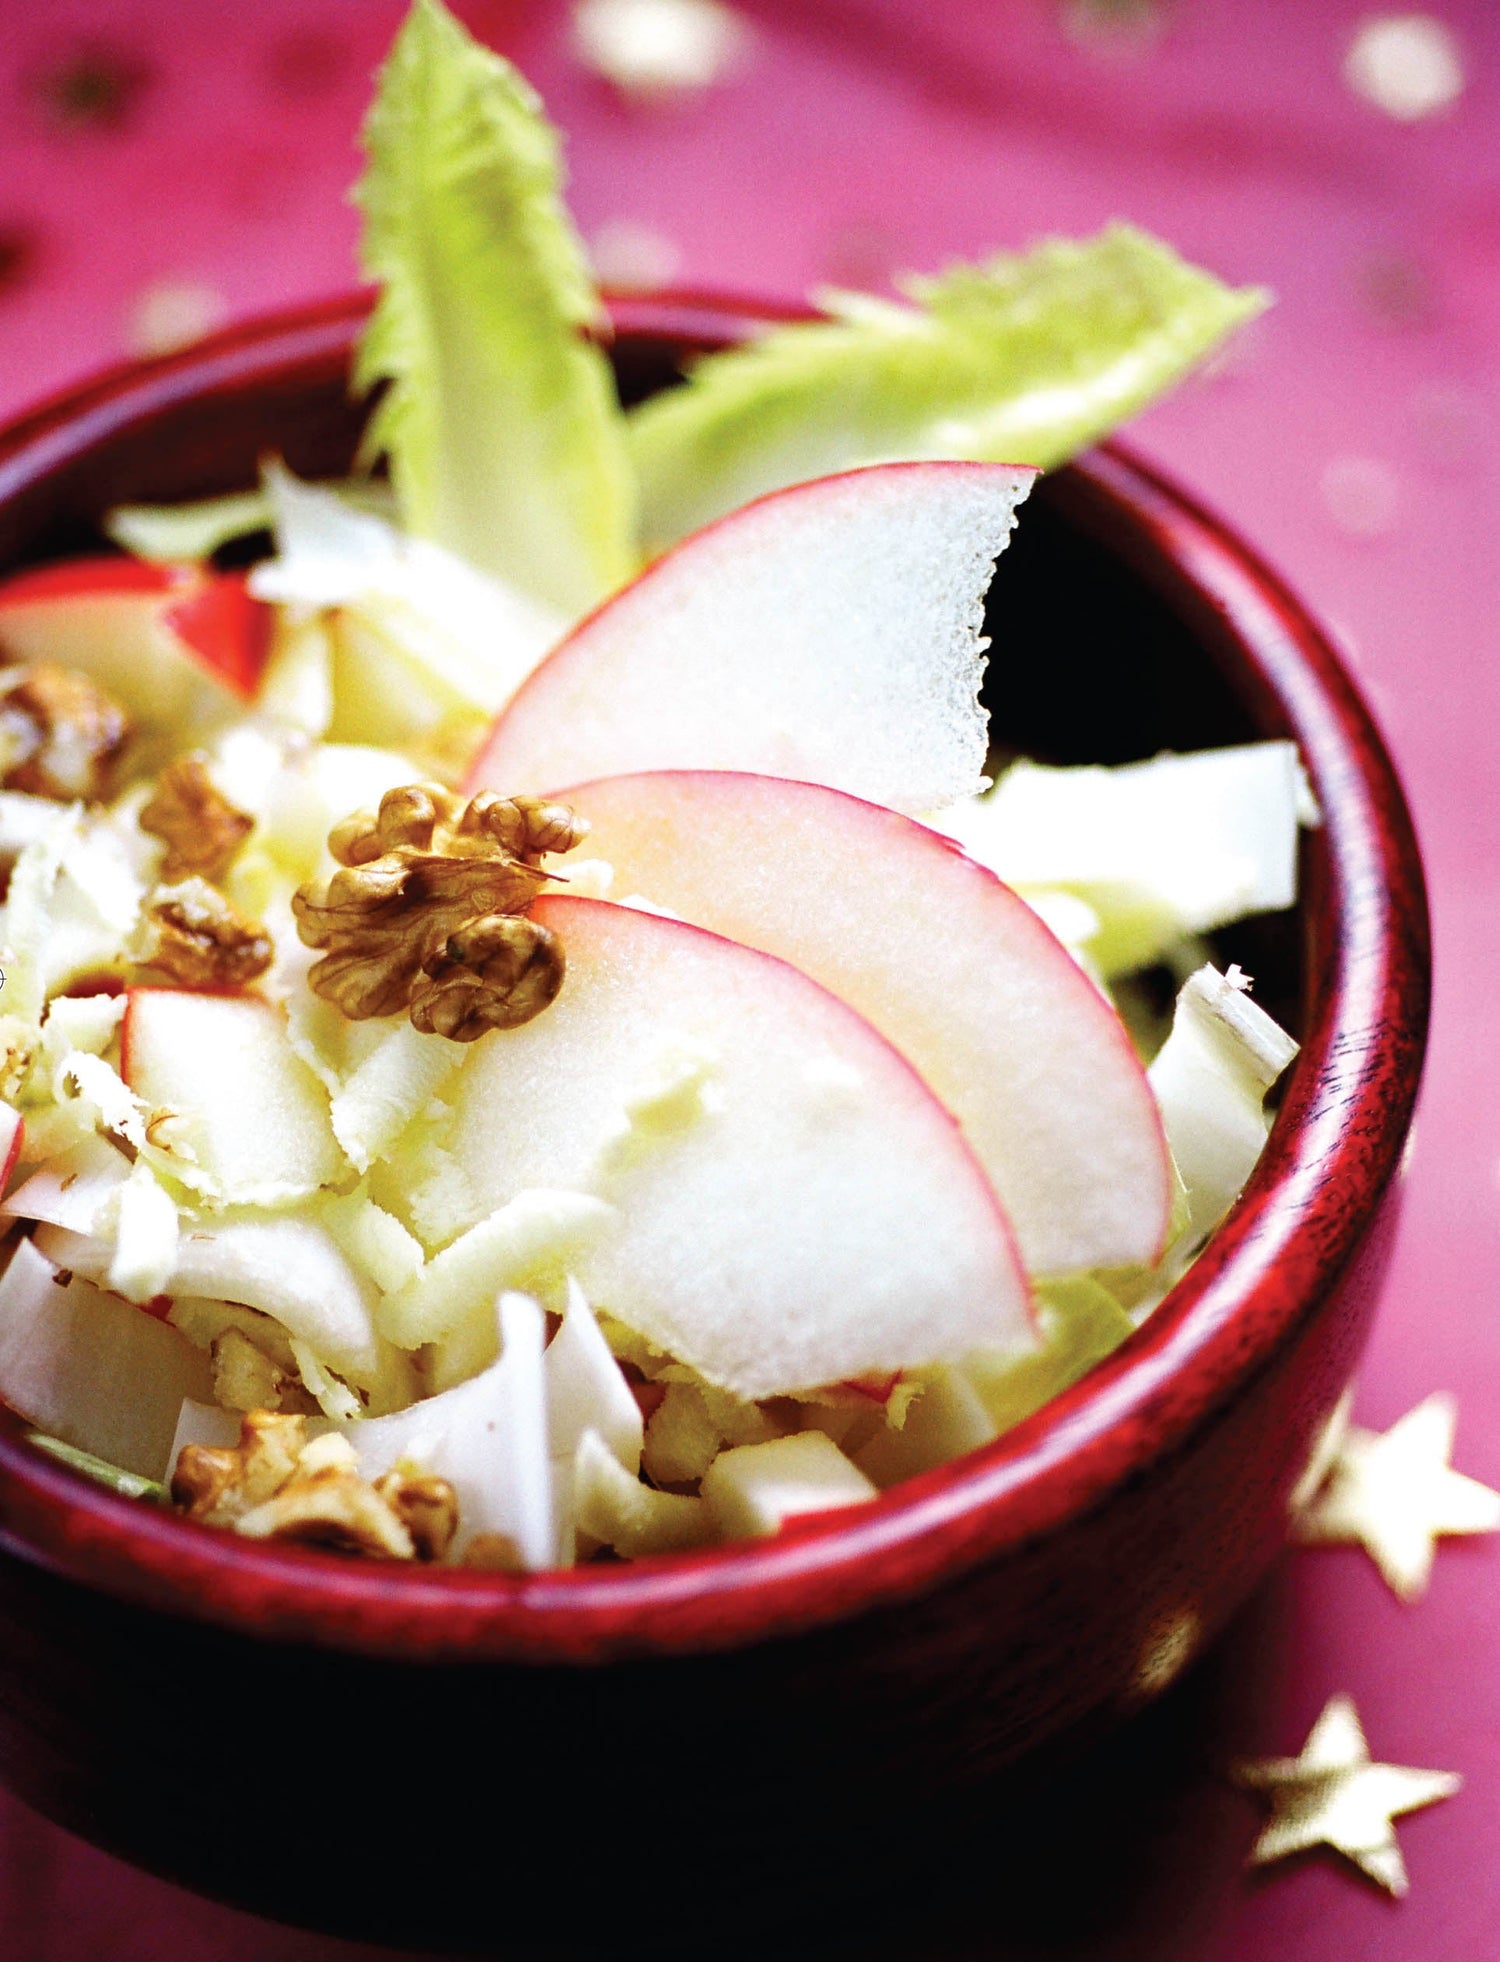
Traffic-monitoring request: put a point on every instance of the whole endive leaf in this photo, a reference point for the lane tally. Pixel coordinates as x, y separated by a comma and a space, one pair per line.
1022, 359
499, 416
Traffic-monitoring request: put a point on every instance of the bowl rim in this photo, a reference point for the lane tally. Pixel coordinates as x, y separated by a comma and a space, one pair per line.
1333, 1150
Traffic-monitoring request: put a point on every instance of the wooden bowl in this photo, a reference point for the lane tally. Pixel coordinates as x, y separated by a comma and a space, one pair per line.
446, 1756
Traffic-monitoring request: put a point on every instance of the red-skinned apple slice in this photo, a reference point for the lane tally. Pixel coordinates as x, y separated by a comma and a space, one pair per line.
250, 1116
829, 632
85, 1366
952, 968
175, 644
809, 1212
12, 1131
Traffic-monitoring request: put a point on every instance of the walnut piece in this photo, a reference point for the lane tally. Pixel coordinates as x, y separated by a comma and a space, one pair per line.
202, 830
494, 1553
331, 1508
60, 735
276, 1485
424, 912
190, 933
217, 1484
245, 1377
427, 1508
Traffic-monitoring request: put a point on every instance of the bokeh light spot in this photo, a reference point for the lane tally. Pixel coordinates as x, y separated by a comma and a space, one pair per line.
1407, 65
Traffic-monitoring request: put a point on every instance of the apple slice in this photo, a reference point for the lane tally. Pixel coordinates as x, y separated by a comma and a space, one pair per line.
951, 967
757, 1488
176, 645
251, 1120
88, 1368
12, 1132
829, 632
808, 1212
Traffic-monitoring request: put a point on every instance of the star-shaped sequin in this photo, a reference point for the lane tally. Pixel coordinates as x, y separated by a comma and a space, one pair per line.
1394, 1493
1333, 1795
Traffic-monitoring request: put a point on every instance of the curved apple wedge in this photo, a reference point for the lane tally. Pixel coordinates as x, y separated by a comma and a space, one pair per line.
175, 644
945, 961
829, 632
796, 1206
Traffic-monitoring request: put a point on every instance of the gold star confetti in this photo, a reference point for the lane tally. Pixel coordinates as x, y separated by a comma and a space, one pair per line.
1333, 1795
1393, 1493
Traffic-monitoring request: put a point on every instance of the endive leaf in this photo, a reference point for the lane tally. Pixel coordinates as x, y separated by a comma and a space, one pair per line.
1022, 359
499, 417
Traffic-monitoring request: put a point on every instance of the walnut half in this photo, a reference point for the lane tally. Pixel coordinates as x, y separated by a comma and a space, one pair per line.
425, 910
60, 735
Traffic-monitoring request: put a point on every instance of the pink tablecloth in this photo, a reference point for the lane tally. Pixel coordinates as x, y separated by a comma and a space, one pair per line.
179, 161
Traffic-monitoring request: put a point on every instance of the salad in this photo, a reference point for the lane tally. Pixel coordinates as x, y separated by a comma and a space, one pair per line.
528, 1034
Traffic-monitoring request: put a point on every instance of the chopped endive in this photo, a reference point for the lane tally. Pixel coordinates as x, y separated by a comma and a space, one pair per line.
1082, 1322
524, 1243
1157, 850
459, 634
489, 1438
585, 1389
1024, 358
614, 1508
1211, 1079
499, 418
176, 534
71, 1187
289, 1268
90, 1369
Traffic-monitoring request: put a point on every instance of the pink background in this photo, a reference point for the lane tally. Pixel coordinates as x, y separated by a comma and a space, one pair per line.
1351, 435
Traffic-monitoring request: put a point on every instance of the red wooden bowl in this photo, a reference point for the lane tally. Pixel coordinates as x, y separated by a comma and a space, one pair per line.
453, 1756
